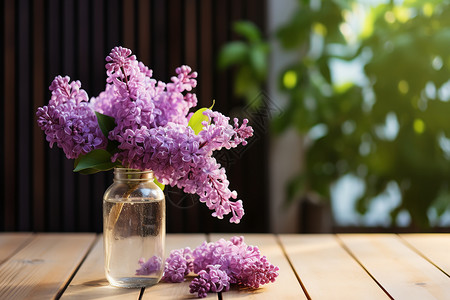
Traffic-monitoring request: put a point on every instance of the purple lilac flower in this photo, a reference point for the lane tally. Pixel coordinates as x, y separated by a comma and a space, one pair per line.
69, 121
119, 61
178, 265
151, 266
220, 264
257, 272
212, 278
201, 286
173, 104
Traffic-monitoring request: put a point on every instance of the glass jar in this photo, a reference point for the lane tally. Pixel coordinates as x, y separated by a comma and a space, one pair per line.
134, 229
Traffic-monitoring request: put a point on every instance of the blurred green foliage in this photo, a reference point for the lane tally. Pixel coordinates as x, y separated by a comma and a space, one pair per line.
250, 57
390, 126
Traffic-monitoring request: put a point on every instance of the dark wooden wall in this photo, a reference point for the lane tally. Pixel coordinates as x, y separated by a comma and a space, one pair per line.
45, 38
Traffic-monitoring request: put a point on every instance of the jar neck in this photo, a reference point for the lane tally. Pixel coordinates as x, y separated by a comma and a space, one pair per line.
132, 175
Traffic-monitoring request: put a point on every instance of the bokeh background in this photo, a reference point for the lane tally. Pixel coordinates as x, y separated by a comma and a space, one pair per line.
349, 101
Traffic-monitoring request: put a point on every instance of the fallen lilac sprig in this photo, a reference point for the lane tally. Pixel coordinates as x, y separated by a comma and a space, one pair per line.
220, 264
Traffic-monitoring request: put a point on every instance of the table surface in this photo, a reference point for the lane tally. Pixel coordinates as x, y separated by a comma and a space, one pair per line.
326, 266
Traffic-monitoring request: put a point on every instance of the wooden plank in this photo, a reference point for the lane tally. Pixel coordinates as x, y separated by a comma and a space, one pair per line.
43, 267
326, 270
172, 291
402, 272
435, 247
90, 281
11, 243
286, 285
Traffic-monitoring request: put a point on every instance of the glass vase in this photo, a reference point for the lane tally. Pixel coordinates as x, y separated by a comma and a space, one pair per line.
134, 229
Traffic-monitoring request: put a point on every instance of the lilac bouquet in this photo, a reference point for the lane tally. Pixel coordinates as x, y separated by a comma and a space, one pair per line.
141, 123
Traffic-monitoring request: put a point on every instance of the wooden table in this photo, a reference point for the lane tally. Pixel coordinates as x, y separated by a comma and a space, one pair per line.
344, 266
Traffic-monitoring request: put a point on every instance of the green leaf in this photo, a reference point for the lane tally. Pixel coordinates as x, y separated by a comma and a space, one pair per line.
99, 168
243, 79
195, 122
232, 53
95, 161
258, 60
248, 30
159, 184
106, 123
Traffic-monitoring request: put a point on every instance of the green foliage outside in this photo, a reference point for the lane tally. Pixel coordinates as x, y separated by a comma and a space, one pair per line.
251, 58
394, 125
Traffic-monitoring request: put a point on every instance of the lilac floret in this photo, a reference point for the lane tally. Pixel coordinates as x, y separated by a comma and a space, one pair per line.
212, 278
200, 286
68, 121
178, 265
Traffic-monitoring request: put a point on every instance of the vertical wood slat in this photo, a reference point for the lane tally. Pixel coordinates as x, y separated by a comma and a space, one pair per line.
159, 39
23, 115
144, 31
9, 172
190, 32
255, 12
205, 50
83, 208
236, 14
175, 35
113, 24
2, 111
221, 27
39, 212
2, 115
54, 156
128, 23
68, 67
98, 50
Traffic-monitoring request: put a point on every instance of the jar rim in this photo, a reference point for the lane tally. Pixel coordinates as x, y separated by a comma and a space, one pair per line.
128, 174
131, 170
